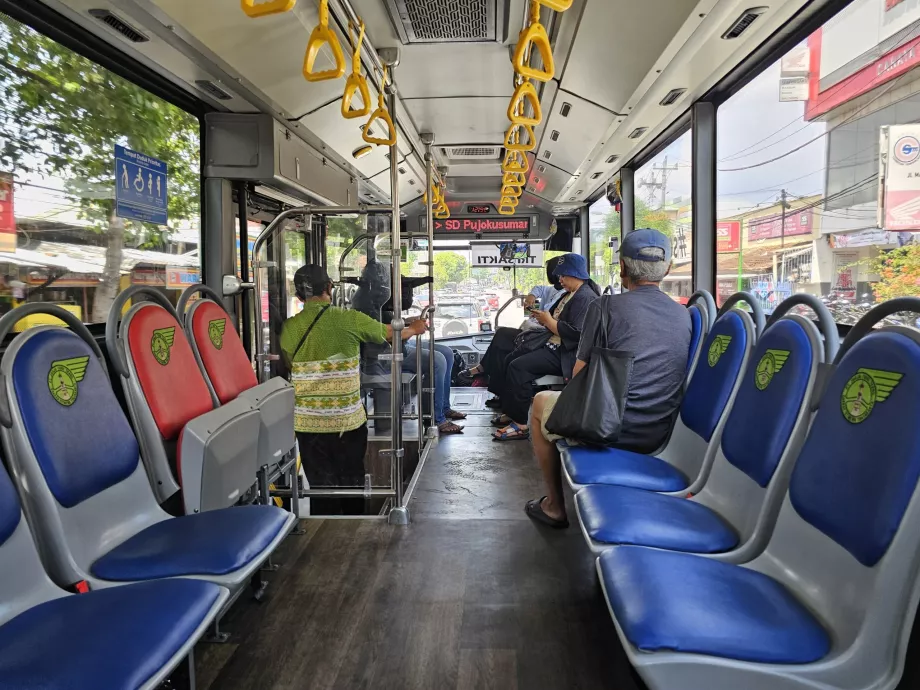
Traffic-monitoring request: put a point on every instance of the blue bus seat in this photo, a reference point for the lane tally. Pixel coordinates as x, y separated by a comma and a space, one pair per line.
86, 492
733, 514
690, 450
831, 601
120, 637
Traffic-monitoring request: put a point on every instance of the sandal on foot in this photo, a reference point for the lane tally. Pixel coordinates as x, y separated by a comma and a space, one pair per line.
454, 415
448, 427
472, 372
534, 510
512, 432
500, 421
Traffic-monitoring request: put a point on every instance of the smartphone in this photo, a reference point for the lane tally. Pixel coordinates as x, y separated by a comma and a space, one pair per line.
534, 307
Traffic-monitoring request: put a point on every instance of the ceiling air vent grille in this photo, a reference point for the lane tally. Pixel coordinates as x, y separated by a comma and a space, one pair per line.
119, 25
212, 89
672, 96
446, 21
472, 152
742, 23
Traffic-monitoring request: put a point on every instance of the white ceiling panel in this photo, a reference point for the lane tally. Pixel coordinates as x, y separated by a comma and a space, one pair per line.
461, 120
576, 133
618, 41
430, 71
411, 184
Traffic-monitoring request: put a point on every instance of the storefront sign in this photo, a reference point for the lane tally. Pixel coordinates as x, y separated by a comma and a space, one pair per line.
7, 217
793, 78
67, 280
864, 238
728, 236
769, 227
505, 254
900, 178
792, 89
148, 276
179, 278
845, 265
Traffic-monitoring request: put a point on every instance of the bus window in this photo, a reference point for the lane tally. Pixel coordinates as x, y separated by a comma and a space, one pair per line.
63, 239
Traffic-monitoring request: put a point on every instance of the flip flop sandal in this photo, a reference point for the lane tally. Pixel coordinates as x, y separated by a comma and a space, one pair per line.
500, 421
446, 428
534, 510
494, 403
516, 433
454, 415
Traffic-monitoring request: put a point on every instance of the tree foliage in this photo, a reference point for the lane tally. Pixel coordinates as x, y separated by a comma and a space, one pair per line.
62, 115
449, 267
899, 273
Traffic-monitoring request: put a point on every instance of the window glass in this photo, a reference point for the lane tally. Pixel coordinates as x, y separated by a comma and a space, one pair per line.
662, 192
63, 238
799, 161
604, 223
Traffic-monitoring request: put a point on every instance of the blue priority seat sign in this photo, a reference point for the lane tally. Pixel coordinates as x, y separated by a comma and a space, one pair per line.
140, 187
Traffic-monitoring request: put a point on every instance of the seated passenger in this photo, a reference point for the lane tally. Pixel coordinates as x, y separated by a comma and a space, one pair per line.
556, 357
504, 341
646, 322
373, 298
322, 348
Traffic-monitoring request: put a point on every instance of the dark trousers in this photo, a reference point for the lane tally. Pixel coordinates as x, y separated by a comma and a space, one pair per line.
493, 362
334, 460
522, 372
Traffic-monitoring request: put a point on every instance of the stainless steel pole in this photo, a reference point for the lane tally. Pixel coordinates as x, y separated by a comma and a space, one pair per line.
398, 514
429, 227
420, 391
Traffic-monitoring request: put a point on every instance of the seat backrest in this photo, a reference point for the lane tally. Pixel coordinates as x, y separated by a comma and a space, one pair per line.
697, 337
74, 454
765, 429
165, 388
847, 540
25, 582
723, 357
219, 350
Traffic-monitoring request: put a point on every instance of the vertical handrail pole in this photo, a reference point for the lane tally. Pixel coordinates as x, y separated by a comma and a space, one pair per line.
428, 140
419, 391
399, 515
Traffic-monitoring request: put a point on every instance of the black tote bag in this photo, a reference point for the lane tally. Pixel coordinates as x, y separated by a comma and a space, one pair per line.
590, 408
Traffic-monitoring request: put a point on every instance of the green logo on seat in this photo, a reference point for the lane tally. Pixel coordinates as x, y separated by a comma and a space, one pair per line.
216, 330
161, 342
718, 348
865, 388
63, 378
768, 366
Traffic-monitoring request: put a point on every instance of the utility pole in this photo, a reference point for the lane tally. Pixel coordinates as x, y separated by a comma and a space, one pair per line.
783, 205
662, 185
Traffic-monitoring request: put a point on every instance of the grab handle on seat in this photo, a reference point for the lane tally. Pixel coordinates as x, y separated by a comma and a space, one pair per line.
826, 323
9, 320
517, 108
112, 342
263, 9
756, 309
872, 317
186, 295
323, 34
705, 297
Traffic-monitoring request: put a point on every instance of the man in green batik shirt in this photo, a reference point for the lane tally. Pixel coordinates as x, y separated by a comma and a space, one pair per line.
322, 348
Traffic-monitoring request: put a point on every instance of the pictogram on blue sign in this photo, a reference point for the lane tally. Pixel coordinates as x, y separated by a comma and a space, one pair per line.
140, 187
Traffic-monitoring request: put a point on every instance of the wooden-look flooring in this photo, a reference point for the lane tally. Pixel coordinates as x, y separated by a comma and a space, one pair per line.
471, 595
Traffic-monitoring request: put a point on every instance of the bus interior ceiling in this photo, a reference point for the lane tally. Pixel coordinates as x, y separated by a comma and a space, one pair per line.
471, 595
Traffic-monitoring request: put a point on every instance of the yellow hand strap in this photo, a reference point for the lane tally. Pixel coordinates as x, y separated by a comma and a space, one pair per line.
534, 36
356, 83
512, 191
322, 34
515, 161
558, 5
507, 206
517, 179
513, 138
517, 108
442, 212
265, 8
381, 114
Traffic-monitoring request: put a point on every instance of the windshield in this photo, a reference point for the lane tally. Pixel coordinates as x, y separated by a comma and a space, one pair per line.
457, 311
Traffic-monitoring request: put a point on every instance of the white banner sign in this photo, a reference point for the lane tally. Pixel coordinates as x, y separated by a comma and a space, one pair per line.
845, 266
505, 254
865, 238
900, 177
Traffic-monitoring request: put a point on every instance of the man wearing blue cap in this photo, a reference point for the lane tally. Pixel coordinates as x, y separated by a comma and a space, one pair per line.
564, 321
646, 322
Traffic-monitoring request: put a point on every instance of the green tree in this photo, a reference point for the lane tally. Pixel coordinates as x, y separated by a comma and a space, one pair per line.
63, 115
899, 273
449, 267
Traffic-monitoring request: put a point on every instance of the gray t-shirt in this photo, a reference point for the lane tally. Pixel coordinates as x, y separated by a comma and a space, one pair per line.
656, 329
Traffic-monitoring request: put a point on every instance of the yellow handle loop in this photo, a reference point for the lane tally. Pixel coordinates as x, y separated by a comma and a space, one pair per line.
516, 179
513, 138
512, 191
517, 108
381, 114
507, 206
356, 83
558, 5
322, 34
515, 161
442, 212
534, 36
265, 8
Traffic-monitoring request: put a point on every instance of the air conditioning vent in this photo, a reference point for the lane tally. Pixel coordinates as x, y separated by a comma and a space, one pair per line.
547, 154
740, 25
212, 89
472, 152
612, 159
119, 25
596, 175
638, 132
555, 135
447, 21
672, 96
